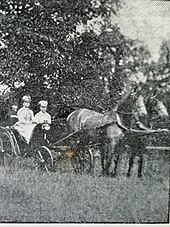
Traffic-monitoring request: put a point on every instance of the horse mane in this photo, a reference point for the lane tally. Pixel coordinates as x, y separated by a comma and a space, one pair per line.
124, 102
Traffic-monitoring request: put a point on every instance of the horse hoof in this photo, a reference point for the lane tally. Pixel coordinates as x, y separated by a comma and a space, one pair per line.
103, 175
139, 175
128, 175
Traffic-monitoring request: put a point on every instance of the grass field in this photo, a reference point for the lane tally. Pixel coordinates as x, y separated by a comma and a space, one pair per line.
27, 195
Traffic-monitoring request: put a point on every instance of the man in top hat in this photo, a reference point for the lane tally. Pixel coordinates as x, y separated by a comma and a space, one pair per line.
42, 116
25, 118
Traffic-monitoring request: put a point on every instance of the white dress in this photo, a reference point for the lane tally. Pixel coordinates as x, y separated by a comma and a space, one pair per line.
24, 125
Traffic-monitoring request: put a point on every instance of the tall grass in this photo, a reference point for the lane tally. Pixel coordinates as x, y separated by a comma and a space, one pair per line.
27, 195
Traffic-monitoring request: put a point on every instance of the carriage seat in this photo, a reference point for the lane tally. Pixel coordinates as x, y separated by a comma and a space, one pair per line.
35, 134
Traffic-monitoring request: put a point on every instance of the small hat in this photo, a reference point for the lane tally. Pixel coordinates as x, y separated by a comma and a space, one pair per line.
43, 103
26, 98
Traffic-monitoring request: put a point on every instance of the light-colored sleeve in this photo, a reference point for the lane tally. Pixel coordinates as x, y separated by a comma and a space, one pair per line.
21, 116
35, 119
32, 116
24, 116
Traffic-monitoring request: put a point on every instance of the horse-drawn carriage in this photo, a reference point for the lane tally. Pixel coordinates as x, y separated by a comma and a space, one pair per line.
44, 149
71, 138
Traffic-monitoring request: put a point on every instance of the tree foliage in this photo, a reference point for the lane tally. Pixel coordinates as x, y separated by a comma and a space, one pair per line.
48, 57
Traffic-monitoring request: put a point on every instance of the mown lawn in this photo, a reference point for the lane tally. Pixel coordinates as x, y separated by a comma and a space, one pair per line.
27, 195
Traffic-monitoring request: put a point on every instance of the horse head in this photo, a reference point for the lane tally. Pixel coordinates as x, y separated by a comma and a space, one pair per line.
159, 107
132, 108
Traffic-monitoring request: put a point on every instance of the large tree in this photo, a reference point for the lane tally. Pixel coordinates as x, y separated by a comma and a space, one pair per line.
48, 56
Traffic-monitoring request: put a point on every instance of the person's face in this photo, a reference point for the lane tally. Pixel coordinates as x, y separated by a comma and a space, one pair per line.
26, 104
15, 107
43, 108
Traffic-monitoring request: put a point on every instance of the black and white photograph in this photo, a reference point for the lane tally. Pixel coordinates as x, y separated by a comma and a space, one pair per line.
84, 112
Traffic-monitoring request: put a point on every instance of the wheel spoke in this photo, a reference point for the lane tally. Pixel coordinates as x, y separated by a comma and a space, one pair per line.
83, 161
44, 158
7, 154
7, 147
40, 155
5, 160
38, 158
46, 168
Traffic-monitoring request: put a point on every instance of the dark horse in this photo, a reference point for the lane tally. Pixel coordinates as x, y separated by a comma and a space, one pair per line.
149, 109
108, 130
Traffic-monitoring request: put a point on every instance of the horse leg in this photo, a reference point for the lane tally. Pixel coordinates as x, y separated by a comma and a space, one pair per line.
140, 152
131, 162
108, 158
112, 152
116, 162
103, 158
103, 151
140, 163
111, 136
117, 157
136, 150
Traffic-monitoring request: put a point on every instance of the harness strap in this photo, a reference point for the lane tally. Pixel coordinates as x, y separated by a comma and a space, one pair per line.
122, 112
140, 106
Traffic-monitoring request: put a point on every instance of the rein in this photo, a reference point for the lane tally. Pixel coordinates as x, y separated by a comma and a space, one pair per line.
122, 112
146, 132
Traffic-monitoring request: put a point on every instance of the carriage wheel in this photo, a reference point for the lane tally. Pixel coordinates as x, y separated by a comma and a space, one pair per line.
7, 146
44, 159
83, 161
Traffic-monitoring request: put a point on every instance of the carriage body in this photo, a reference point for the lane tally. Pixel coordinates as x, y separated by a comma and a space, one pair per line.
12, 144
48, 143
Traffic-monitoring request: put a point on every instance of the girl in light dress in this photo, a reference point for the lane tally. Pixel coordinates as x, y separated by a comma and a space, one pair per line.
25, 116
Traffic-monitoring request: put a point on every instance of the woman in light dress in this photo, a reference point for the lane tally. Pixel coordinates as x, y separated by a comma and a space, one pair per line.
25, 116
